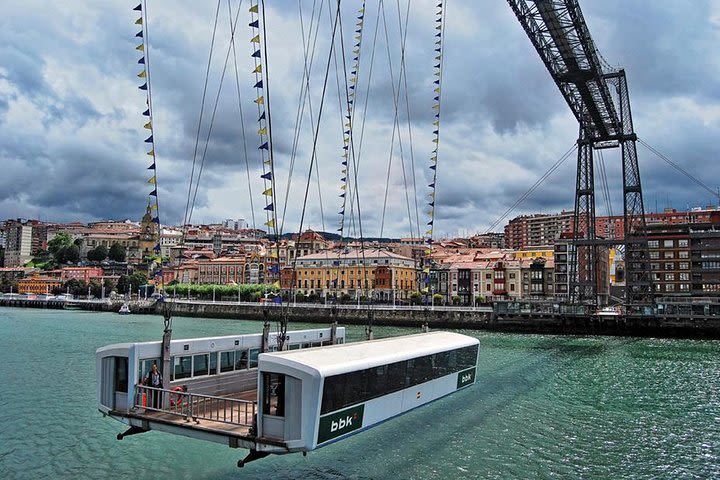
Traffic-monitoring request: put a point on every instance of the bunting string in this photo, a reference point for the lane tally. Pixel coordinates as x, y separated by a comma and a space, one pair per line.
262, 102
437, 95
144, 76
348, 124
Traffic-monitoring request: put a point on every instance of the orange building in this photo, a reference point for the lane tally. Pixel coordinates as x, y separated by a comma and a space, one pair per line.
38, 284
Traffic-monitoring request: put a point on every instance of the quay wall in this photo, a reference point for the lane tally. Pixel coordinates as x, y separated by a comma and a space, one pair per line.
677, 326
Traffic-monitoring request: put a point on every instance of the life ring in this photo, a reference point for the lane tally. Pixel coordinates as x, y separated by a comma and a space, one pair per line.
178, 400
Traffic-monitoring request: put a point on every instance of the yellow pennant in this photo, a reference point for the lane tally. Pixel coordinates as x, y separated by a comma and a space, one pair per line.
153, 207
426, 270
428, 232
435, 140
258, 69
152, 180
138, 21
268, 192
431, 194
262, 131
255, 39
345, 155
433, 159
151, 152
140, 47
276, 285
343, 187
141, 74
436, 123
438, 57
436, 106
253, 9
148, 126
268, 161
260, 100
437, 90
343, 171
358, 37
270, 223
347, 125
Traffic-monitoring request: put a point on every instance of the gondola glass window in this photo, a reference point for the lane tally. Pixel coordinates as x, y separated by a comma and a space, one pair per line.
274, 394
356, 387
183, 367
121, 374
200, 365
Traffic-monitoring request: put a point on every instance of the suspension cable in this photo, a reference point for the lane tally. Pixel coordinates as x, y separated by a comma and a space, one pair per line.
532, 189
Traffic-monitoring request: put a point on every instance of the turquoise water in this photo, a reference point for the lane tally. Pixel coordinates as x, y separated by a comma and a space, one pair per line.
543, 407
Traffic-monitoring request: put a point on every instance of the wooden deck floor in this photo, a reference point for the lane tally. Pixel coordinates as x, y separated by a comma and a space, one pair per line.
209, 415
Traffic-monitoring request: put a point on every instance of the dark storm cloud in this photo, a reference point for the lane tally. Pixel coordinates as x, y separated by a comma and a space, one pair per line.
70, 112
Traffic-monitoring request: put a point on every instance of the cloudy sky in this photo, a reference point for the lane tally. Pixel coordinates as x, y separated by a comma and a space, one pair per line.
71, 136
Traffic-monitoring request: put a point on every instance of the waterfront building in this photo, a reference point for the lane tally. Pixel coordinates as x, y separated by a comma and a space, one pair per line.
236, 269
39, 284
375, 273
11, 274
84, 274
18, 242
538, 229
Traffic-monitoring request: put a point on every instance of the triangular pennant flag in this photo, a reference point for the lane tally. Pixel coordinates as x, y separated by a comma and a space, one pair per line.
153, 206
149, 139
264, 146
139, 34
253, 9
435, 140
270, 207
152, 180
154, 193
148, 126
260, 100
142, 61
262, 116
256, 54
267, 162
138, 8
258, 69
258, 84
140, 47
151, 152
255, 39
341, 212
437, 82
138, 21
343, 187
147, 112
342, 195
266, 176
344, 179
151, 167
141, 74
268, 192
262, 131
428, 232
437, 90
270, 223
430, 222
433, 167
432, 185
345, 162
254, 24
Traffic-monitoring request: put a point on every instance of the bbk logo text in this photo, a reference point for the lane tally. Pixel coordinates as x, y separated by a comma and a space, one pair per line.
339, 423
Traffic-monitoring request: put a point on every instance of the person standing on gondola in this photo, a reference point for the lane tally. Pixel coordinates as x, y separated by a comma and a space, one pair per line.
154, 380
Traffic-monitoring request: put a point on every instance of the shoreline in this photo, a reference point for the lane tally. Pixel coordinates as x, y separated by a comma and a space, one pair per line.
481, 318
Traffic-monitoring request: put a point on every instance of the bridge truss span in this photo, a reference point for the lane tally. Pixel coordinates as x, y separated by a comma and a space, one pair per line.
598, 98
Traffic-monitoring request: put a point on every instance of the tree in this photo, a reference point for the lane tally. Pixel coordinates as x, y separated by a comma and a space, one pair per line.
58, 242
72, 254
95, 287
135, 280
98, 254
109, 286
438, 299
75, 287
123, 284
415, 298
116, 253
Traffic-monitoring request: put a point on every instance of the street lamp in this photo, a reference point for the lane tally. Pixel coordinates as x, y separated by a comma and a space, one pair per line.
213, 293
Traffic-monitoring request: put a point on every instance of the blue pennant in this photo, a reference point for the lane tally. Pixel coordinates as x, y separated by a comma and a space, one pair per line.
262, 117
254, 24
264, 146
138, 8
151, 167
142, 61
258, 84
139, 34
147, 112
149, 139
256, 54
266, 176
143, 86
270, 207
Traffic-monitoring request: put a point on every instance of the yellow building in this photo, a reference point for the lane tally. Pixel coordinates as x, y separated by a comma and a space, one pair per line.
373, 273
534, 252
38, 284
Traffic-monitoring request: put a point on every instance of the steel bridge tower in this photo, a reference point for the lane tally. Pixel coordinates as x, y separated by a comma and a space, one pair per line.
598, 97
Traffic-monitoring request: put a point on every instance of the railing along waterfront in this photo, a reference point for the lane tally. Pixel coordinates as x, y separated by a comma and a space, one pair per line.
194, 406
